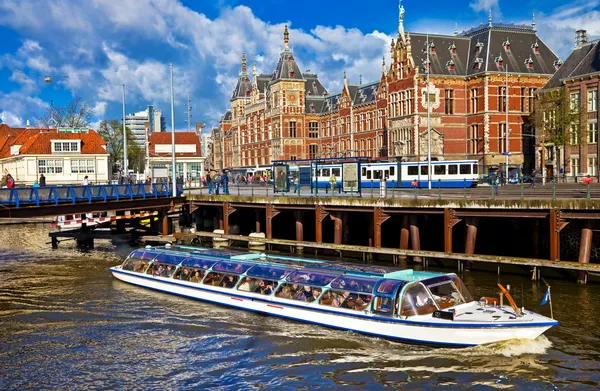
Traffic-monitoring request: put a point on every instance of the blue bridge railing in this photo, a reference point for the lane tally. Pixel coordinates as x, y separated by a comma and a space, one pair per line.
36, 196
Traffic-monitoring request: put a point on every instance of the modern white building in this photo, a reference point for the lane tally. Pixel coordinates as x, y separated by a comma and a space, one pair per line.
205, 142
188, 155
65, 155
137, 123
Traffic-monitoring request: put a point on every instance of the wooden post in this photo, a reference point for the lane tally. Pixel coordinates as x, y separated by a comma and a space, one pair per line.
225, 217
257, 220
449, 222
471, 240
414, 237
165, 224
585, 249
299, 230
337, 228
378, 219
404, 235
556, 225
320, 215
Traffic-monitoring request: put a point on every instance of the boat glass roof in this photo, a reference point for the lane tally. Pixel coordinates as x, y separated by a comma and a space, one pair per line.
170, 259
198, 263
232, 267
268, 272
355, 284
388, 286
314, 278
144, 254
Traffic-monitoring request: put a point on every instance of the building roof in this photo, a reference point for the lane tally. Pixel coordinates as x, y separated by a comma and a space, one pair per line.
39, 141
584, 60
181, 138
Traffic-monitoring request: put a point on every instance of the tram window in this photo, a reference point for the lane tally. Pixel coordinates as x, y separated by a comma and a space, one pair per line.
475, 169
465, 168
325, 172
369, 174
392, 170
439, 169
376, 174
363, 171
413, 170
417, 301
387, 174
452, 169
424, 169
336, 171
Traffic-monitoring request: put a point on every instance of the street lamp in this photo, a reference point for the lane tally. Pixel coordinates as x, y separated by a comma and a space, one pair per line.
188, 112
428, 120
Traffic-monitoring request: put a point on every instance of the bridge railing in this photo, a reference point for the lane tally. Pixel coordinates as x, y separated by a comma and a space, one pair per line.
36, 196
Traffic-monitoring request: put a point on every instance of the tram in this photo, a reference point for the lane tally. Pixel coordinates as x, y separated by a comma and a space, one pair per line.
407, 305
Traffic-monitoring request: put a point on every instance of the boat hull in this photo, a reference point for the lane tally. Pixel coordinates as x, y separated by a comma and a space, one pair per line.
430, 333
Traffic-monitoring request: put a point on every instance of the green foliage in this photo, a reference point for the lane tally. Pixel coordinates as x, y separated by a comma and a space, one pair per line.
553, 117
112, 133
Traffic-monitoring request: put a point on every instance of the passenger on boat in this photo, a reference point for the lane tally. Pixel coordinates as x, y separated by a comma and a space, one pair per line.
315, 295
247, 285
264, 287
196, 277
160, 270
304, 294
326, 299
185, 275
285, 293
151, 269
228, 282
168, 271
139, 268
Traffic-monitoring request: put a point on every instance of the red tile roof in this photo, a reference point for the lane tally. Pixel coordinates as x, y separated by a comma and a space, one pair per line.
165, 138
38, 141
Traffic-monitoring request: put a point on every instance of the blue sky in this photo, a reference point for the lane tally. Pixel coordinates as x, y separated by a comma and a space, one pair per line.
91, 47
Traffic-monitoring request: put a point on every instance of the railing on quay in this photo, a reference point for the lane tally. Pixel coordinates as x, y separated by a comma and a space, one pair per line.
36, 196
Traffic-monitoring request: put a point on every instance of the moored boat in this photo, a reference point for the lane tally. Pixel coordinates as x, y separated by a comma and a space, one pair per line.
407, 305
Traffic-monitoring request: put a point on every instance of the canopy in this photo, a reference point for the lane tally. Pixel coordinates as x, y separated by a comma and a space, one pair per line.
198, 263
313, 278
354, 284
268, 272
232, 267
170, 259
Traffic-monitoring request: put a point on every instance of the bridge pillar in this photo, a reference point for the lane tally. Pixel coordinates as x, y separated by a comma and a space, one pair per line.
471, 239
404, 235
257, 220
449, 222
337, 227
320, 215
378, 219
585, 249
299, 230
415, 237
165, 224
270, 213
120, 222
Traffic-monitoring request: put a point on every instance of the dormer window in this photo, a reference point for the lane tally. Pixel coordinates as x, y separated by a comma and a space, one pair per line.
529, 63
499, 61
325, 93
450, 65
312, 108
506, 44
478, 62
452, 48
427, 64
65, 146
535, 47
557, 64
247, 92
479, 46
292, 74
432, 47
308, 93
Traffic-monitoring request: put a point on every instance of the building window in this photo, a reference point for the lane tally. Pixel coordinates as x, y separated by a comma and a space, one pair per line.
313, 151
474, 98
574, 166
575, 101
83, 166
593, 132
65, 146
474, 139
501, 138
50, 166
292, 157
502, 99
574, 134
449, 102
313, 129
523, 99
592, 166
293, 129
592, 100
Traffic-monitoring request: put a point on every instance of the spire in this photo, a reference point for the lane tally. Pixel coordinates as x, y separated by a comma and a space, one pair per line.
490, 18
254, 74
243, 62
400, 19
345, 80
360, 79
533, 23
383, 65
455, 28
286, 38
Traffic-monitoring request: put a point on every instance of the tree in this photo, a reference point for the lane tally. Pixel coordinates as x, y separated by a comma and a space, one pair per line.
112, 133
75, 114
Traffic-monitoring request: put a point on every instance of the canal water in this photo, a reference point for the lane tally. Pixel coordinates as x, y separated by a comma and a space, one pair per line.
66, 323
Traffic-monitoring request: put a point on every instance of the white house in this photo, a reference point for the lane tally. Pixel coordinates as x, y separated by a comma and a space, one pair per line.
188, 155
63, 155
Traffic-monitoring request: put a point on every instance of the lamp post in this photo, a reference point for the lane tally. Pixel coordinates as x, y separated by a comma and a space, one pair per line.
173, 167
428, 120
188, 112
506, 105
125, 166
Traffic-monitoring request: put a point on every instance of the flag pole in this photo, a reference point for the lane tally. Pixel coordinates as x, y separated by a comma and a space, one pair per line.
550, 300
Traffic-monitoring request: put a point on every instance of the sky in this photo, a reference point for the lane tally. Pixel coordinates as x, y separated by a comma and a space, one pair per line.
90, 48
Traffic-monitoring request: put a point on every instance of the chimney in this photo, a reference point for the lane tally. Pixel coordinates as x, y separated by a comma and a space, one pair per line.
581, 38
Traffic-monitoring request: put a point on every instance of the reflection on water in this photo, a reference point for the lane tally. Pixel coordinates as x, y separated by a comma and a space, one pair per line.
66, 323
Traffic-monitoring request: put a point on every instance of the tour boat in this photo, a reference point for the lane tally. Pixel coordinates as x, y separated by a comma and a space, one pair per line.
405, 305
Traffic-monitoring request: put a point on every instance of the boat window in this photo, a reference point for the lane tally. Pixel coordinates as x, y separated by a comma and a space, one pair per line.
465, 168
388, 286
229, 281
162, 269
170, 259
424, 169
345, 299
189, 274
445, 294
354, 284
213, 279
392, 170
452, 169
298, 292
439, 169
269, 272
311, 278
475, 168
417, 301
138, 260
257, 285
383, 305
232, 267
413, 170
336, 171
198, 263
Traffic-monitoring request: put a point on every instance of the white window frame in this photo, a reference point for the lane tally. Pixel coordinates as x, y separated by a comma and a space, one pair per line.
50, 166
83, 166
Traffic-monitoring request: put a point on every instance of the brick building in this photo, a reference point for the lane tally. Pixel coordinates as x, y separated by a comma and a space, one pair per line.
578, 81
290, 115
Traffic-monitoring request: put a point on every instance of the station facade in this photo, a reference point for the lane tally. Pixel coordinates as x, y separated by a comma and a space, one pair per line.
474, 79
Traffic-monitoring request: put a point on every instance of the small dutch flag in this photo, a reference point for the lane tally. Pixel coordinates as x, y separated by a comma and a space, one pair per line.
546, 297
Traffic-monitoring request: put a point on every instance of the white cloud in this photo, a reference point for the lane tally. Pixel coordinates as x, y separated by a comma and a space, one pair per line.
11, 119
484, 5
99, 109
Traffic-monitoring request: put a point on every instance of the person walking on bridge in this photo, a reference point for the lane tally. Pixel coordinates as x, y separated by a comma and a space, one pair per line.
532, 178
85, 181
42, 180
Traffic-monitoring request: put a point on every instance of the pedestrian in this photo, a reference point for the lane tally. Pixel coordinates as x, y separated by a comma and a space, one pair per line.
148, 181
10, 182
533, 174
42, 180
217, 180
4, 182
297, 185
209, 183
35, 184
332, 183
85, 181
496, 182
225, 183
